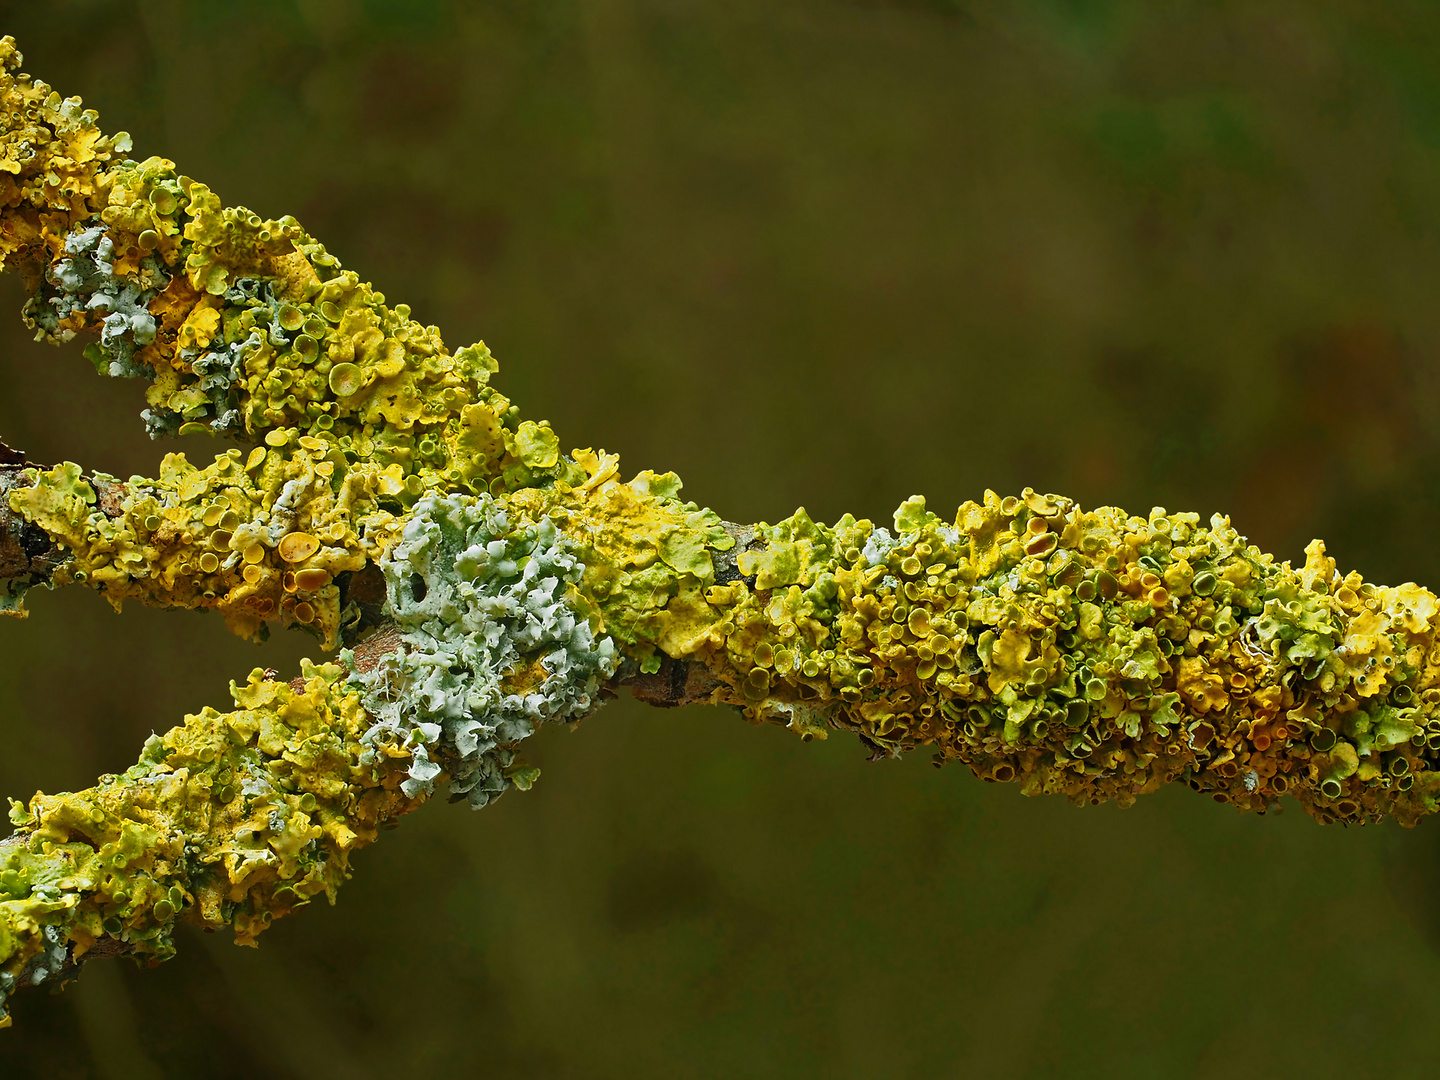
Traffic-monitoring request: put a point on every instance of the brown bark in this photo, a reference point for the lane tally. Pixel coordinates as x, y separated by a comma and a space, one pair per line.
28, 556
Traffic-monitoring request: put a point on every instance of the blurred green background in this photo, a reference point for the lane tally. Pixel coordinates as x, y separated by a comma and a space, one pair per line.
821, 253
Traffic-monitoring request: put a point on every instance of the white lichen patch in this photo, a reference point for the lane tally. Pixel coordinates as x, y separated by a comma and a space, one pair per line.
496, 640
878, 547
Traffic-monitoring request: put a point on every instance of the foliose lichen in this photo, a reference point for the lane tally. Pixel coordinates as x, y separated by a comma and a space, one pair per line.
83, 281
496, 639
230, 819
1093, 653
248, 328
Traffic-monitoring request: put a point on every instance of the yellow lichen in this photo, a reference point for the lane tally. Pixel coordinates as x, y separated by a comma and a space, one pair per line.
230, 819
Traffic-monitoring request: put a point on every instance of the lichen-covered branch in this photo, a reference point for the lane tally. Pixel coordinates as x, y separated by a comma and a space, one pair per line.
232, 819
388, 498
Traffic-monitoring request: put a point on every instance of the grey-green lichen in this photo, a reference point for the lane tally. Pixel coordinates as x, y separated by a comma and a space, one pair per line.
84, 280
496, 638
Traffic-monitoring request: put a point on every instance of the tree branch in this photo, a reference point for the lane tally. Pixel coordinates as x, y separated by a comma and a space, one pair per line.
389, 498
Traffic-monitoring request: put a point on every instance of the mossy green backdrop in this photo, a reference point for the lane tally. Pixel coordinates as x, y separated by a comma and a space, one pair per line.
809, 253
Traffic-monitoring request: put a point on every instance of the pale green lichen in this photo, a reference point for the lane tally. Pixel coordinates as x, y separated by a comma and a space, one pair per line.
83, 281
496, 639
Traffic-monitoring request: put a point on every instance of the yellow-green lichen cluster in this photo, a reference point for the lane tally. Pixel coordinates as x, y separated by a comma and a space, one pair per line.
1091, 653
231, 819
51, 152
648, 557
258, 537
245, 327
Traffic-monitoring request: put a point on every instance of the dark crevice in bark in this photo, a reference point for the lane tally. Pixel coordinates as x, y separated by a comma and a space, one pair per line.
28, 556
